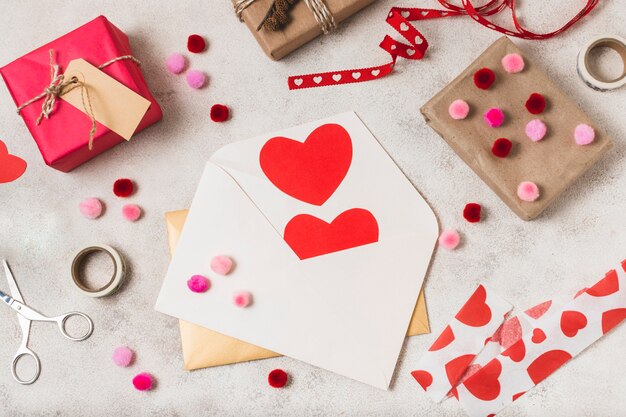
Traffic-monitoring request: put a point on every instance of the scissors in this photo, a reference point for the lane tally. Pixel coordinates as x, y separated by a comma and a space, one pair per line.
26, 316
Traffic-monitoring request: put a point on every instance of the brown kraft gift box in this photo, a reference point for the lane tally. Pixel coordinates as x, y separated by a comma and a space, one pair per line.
301, 28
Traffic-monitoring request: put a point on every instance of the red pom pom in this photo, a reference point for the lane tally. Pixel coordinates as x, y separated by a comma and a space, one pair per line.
483, 78
277, 378
196, 44
536, 103
471, 212
501, 147
219, 113
123, 187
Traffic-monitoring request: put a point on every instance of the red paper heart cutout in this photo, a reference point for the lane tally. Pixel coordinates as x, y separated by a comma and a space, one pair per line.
547, 363
445, 338
423, 378
309, 236
457, 367
11, 167
572, 322
516, 352
606, 286
484, 384
538, 336
539, 310
475, 312
311, 170
612, 318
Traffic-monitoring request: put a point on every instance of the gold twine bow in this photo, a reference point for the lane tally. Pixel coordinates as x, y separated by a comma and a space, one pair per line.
59, 86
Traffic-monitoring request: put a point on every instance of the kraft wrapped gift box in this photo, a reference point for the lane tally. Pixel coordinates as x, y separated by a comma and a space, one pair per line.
203, 348
301, 28
63, 137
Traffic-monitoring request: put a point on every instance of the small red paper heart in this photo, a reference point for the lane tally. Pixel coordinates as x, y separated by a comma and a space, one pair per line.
484, 384
572, 322
311, 170
612, 318
11, 167
606, 286
475, 312
547, 363
423, 378
445, 338
309, 236
516, 352
538, 336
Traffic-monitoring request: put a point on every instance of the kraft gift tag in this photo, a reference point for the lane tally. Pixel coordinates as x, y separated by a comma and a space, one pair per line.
113, 104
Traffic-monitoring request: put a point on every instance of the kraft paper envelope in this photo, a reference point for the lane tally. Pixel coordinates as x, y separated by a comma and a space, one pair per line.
329, 237
203, 348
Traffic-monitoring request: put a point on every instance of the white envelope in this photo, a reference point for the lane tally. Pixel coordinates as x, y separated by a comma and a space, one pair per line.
338, 295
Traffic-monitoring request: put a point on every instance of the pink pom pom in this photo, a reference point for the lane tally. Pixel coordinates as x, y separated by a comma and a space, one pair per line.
143, 381
494, 117
176, 63
198, 283
242, 299
536, 130
513, 63
584, 134
131, 212
123, 356
528, 191
449, 239
221, 264
196, 79
91, 208
459, 109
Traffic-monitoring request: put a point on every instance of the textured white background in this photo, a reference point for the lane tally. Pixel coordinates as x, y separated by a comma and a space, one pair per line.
572, 244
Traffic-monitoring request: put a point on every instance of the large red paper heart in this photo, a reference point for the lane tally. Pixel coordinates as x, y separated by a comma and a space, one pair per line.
547, 363
572, 322
484, 384
475, 312
311, 170
457, 367
309, 236
606, 286
11, 166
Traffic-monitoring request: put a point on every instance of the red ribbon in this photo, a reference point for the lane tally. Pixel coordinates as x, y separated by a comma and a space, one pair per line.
400, 17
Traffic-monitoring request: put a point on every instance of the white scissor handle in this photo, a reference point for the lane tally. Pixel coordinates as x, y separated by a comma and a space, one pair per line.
62, 320
22, 352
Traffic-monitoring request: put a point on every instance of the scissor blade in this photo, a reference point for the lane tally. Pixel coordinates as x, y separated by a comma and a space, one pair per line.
15, 291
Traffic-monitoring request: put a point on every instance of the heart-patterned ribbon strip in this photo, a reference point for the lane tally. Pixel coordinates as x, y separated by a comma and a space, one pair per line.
400, 17
524, 351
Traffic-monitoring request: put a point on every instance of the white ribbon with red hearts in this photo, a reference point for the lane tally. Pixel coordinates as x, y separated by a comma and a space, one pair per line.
487, 371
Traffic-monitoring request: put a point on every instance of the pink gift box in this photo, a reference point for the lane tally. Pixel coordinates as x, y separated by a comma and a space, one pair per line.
63, 137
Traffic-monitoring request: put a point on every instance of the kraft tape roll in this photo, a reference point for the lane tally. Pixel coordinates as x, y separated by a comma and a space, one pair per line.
119, 270
592, 79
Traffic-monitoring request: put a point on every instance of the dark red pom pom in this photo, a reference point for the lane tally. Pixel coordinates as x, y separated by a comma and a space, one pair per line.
501, 147
536, 103
219, 113
483, 78
471, 212
123, 187
277, 378
196, 44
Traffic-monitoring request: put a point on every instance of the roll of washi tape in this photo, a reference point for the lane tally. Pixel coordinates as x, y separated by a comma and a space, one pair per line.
119, 270
591, 78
